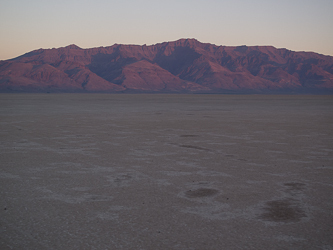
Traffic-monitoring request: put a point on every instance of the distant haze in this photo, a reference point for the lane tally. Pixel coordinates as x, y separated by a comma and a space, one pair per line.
299, 25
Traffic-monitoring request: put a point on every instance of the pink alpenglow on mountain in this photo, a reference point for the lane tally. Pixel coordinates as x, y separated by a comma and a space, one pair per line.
183, 66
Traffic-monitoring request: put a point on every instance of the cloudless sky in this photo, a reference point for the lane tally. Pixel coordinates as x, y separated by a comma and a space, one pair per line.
300, 25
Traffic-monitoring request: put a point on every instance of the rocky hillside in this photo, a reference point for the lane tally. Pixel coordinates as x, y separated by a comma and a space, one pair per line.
186, 65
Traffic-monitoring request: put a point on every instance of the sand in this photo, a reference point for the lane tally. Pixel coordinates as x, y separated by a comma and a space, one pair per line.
103, 171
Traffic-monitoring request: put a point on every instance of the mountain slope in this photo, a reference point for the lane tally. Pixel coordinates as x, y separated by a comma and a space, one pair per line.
185, 65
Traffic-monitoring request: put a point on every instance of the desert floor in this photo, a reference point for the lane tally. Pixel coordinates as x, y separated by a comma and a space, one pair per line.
100, 171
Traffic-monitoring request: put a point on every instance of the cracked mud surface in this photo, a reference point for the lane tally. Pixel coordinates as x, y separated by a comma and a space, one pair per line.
166, 172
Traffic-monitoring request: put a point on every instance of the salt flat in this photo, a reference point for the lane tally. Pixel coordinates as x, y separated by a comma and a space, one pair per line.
101, 171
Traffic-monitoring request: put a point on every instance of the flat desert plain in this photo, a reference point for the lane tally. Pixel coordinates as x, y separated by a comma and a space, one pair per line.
103, 171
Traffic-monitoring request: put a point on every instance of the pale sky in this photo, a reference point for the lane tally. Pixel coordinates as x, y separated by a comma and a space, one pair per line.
299, 25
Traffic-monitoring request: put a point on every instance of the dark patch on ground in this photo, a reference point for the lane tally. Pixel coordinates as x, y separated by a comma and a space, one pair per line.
201, 192
188, 135
295, 186
286, 210
123, 177
194, 147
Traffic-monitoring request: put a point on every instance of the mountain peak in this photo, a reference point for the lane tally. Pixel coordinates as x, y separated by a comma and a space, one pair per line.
187, 42
72, 46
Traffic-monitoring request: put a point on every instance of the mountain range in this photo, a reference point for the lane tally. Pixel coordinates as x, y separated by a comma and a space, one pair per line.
182, 66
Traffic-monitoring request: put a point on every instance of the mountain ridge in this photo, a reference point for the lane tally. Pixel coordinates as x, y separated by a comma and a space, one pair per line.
185, 65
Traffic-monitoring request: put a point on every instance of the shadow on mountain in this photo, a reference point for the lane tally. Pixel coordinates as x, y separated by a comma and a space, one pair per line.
109, 66
181, 58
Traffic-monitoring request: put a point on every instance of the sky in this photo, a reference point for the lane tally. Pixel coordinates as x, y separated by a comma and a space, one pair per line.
299, 25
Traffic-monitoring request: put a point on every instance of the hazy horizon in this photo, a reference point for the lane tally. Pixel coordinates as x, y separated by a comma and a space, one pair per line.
295, 25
